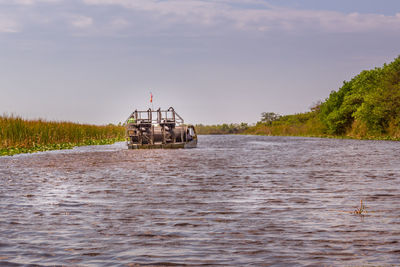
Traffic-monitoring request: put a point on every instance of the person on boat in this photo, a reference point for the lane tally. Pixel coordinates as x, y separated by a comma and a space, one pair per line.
189, 136
131, 120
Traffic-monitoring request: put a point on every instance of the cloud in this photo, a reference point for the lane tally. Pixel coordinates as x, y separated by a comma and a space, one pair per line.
19, 13
325, 21
120, 23
193, 17
28, 2
8, 25
81, 21
256, 15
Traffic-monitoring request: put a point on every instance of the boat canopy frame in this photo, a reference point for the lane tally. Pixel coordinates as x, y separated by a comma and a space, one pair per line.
152, 117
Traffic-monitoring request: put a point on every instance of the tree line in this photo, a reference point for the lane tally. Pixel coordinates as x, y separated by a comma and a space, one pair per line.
367, 106
233, 128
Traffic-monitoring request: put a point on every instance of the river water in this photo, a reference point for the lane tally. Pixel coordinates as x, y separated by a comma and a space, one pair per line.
233, 201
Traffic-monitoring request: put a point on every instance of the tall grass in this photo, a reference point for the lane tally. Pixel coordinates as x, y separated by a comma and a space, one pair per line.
302, 124
16, 132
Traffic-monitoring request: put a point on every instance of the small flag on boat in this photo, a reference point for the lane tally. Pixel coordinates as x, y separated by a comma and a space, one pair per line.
151, 97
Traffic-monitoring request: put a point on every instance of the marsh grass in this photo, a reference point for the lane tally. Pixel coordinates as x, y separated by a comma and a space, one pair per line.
18, 135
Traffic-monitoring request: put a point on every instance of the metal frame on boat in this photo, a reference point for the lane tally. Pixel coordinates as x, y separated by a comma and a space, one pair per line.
159, 129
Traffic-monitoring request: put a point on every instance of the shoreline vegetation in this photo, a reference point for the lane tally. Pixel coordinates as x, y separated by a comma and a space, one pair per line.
18, 135
221, 128
366, 107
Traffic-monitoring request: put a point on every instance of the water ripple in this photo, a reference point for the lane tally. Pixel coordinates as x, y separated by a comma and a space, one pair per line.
235, 200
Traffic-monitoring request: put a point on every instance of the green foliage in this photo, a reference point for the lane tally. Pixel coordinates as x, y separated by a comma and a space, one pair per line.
371, 98
382, 106
368, 106
302, 124
18, 150
23, 136
337, 111
269, 117
222, 128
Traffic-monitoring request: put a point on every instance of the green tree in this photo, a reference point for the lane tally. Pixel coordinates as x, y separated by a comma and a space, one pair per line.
382, 105
269, 117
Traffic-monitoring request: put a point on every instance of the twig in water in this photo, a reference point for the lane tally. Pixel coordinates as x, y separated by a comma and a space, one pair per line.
361, 210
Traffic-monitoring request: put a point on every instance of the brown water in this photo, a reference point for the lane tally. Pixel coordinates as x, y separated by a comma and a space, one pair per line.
235, 200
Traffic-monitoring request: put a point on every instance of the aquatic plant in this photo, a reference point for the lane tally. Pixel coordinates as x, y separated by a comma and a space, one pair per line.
18, 135
361, 210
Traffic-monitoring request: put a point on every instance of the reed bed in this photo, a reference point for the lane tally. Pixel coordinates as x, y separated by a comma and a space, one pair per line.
18, 135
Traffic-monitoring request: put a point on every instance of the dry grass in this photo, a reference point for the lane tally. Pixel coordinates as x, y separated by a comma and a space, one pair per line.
360, 210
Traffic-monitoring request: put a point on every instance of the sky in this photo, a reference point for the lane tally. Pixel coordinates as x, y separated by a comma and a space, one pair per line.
214, 61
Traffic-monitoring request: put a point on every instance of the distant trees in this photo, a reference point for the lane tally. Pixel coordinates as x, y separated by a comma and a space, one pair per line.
301, 124
269, 117
225, 128
367, 106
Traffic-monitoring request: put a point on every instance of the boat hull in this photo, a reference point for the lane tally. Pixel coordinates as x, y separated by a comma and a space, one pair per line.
190, 144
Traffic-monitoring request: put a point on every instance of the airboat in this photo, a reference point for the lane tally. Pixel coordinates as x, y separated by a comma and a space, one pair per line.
152, 129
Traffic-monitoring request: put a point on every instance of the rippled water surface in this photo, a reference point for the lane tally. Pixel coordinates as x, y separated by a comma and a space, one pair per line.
235, 200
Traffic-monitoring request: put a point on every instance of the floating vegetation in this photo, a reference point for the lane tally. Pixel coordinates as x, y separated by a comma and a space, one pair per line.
16, 150
361, 210
18, 135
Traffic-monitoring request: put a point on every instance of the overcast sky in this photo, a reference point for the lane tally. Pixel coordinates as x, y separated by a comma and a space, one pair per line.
215, 61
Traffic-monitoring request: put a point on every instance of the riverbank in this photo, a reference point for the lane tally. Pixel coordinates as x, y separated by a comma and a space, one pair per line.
366, 107
18, 135
311, 128
377, 138
217, 129
310, 124
20, 150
